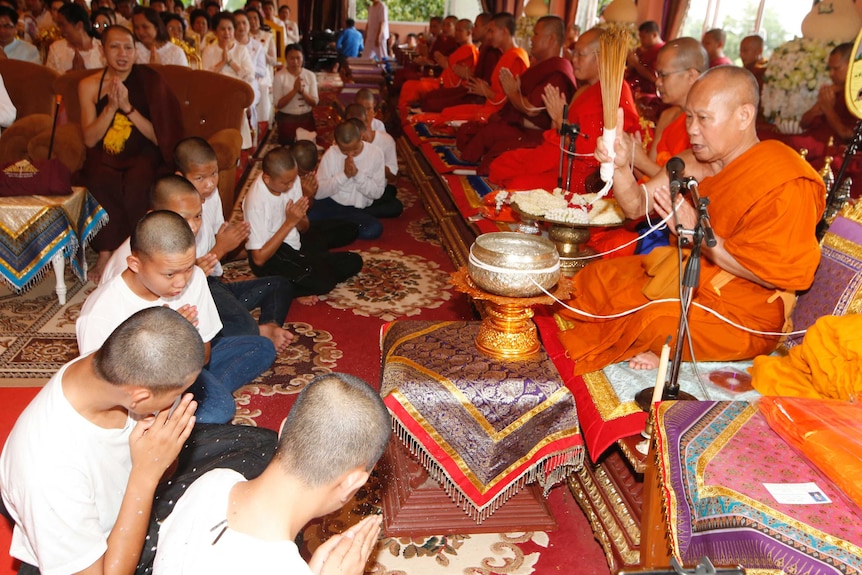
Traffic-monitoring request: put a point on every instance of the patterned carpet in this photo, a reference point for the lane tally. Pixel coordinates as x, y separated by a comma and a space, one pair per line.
406, 274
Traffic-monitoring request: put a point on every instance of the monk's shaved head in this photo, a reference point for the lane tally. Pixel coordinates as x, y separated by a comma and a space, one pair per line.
277, 161
736, 85
590, 39
192, 153
505, 21
168, 189
346, 133
355, 110
553, 26
365, 95
359, 123
305, 154
162, 233
686, 53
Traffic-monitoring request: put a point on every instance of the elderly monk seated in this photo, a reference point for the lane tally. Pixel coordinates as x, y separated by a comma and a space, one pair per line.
765, 202
456, 68
489, 55
521, 122
514, 60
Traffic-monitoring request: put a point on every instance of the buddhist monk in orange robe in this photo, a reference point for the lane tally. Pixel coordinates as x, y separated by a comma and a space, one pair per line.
462, 60
514, 59
765, 202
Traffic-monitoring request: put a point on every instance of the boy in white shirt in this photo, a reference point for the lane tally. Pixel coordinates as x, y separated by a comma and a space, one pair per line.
378, 138
275, 208
82, 470
225, 524
197, 162
352, 181
366, 97
162, 272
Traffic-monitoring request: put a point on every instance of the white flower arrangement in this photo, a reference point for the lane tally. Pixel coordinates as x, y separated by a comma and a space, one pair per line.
794, 75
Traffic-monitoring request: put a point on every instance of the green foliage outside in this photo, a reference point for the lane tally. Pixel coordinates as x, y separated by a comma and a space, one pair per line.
406, 10
739, 26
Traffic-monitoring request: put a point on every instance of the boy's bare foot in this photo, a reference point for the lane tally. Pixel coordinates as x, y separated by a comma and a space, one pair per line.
645, 360
280, 337
307, 299
94, 274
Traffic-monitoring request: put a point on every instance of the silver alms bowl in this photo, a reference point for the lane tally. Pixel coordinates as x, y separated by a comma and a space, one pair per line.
511, 264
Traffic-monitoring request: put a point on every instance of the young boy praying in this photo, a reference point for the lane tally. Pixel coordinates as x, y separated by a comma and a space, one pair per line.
276, 209
162, 272
228, 524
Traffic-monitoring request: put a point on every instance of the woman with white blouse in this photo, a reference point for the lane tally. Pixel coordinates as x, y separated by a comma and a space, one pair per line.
264, 37
294, 90
229, 57
154, 45
258, 58
77, 49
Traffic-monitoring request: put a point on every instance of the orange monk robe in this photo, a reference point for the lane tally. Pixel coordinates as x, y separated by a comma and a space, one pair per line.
528, 169
674, 140
413, 90
824, 366
766, 205
517, 61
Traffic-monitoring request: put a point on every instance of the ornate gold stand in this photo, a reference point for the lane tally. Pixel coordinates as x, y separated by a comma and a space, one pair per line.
571, 241
507, 331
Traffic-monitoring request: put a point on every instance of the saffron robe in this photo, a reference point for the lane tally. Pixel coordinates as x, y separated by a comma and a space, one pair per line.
444, 44
529, 169
517, 61
510, 128
121, 182
413, 90
766, 205
441, 98
673, 140
647, 58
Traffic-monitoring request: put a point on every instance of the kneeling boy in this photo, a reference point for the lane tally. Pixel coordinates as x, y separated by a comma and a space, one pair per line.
226, 524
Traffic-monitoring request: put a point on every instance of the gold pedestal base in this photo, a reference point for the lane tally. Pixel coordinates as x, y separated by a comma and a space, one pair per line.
507, 331
571, 243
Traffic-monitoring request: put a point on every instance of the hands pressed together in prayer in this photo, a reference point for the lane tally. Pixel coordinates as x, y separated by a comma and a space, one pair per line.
118, 96
157, 440
441, 60
295, 211
309, 186
554, 104
350, 168
462, 71
511, 85
154, 55
479, 87
347, 554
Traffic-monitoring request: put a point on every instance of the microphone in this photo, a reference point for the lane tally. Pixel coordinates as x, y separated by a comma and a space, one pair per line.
675, 168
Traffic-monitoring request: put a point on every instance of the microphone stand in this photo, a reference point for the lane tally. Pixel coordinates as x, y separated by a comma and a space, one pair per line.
701, 233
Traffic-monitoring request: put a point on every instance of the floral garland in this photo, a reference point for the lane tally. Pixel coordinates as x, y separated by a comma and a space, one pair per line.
794, 75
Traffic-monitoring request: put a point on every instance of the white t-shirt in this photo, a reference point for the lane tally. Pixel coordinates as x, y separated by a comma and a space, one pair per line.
378, 125
113, 302
61, 56
169, 54
211, 221
283, 83
186, 538
63, 479
361, 190
386, 143
265, 213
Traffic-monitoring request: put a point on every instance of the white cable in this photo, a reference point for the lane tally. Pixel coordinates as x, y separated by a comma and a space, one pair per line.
657, 226
666, 300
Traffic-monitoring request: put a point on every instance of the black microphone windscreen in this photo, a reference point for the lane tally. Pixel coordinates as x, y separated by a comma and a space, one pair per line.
675, 164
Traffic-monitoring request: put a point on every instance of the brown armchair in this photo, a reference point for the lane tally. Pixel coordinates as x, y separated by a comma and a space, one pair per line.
213, 107
30, 88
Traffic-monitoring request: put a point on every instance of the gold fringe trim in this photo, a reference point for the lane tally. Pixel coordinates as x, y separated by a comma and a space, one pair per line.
562, 463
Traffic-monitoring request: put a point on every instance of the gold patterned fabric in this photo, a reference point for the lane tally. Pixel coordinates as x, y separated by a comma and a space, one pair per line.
33, 229
713, 460
482, 427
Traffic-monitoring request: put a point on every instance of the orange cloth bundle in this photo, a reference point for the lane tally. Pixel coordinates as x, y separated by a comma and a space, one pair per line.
827, 432
825, 366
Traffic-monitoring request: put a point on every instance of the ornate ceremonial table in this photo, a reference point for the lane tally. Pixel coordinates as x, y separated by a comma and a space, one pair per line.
37, 230
713, 460
482, 428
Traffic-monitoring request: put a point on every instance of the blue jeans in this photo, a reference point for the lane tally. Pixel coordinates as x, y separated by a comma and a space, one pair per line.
234, 301
234, 362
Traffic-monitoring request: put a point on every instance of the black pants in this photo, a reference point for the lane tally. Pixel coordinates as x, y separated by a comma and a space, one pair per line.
247, 450
311, 271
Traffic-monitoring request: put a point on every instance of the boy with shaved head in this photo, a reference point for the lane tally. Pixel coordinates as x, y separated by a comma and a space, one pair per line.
764, 204
226, 524
82, 471
162, 272
275, 208
352, 183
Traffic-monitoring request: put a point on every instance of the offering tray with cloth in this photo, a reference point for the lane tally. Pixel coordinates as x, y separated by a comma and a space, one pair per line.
568, 233
483, 430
